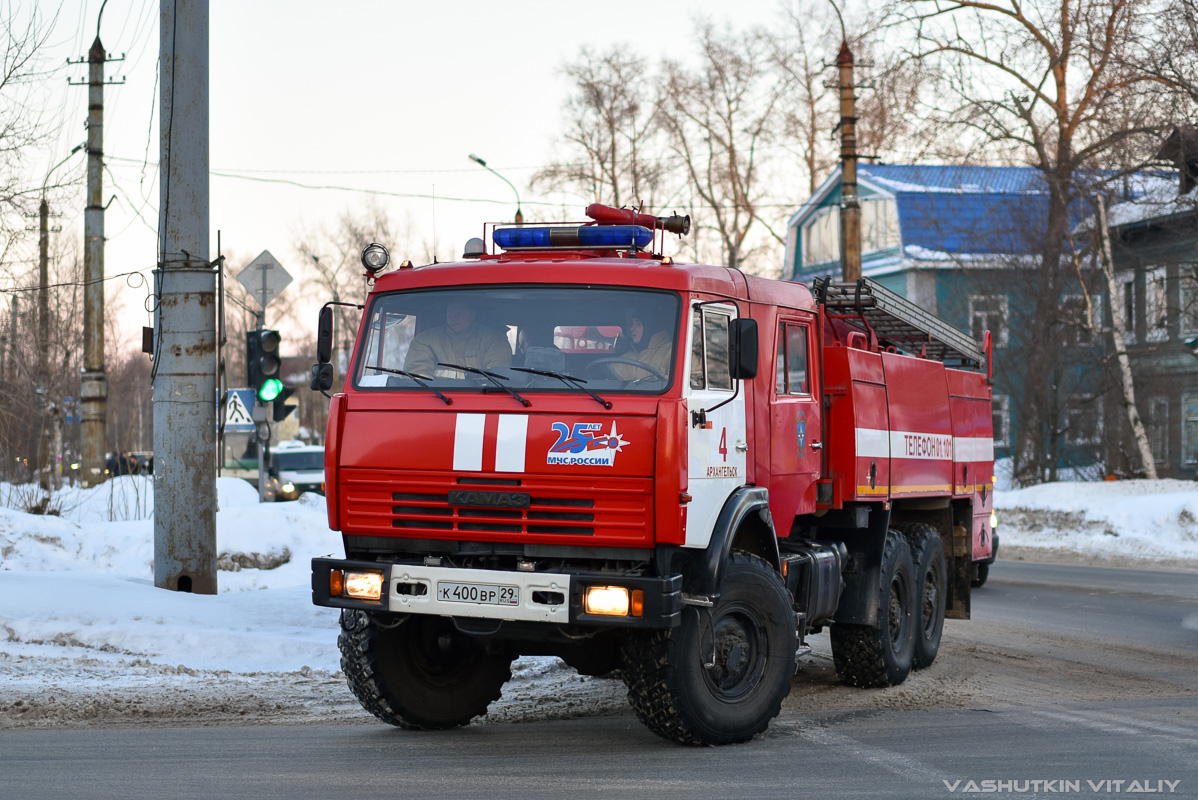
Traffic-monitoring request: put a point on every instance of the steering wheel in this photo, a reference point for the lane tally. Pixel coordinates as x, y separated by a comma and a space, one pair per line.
603, 362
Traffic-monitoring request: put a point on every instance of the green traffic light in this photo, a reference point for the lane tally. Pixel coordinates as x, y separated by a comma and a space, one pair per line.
270, 389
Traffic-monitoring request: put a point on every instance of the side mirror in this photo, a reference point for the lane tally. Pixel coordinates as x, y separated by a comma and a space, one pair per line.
322, 377
324, 336
742, 340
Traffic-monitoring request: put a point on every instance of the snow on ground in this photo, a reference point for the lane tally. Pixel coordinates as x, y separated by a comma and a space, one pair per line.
1137, 519
86, 638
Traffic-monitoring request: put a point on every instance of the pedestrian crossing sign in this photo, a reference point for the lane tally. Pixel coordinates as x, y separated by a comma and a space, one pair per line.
239, 411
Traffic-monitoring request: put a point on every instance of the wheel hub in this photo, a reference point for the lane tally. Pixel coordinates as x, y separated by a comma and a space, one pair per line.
737, 655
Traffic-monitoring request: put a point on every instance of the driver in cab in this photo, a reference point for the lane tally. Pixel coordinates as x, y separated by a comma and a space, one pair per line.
459, 341
651, 348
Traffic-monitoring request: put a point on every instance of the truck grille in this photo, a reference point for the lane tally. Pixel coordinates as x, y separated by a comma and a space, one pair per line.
553, 509
544, 515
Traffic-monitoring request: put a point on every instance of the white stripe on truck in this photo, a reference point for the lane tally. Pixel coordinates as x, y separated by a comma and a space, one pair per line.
468, 442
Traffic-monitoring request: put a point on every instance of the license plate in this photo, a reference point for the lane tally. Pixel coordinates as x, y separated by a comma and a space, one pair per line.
482, 593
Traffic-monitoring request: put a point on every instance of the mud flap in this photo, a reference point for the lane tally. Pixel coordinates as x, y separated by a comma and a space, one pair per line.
859, 599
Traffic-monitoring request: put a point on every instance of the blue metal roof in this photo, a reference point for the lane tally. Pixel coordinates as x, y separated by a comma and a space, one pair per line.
921, 178
965, 209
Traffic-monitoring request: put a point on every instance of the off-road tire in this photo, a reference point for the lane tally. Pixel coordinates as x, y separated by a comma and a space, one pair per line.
752, 631
420, 674
873, 656
931, 589
981, 571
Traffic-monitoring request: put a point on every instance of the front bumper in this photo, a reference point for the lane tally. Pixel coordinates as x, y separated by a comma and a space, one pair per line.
542, 596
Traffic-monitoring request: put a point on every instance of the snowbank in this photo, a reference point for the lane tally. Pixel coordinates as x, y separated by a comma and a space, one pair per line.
1135, 518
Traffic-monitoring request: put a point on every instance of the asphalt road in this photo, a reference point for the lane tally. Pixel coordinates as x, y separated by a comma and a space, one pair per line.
1126, 621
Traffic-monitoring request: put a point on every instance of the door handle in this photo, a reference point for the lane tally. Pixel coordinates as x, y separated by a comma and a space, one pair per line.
817, 445
742, 447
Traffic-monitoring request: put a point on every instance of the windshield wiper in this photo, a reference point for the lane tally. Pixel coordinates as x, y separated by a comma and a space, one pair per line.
493, 377
419, 379
569, 380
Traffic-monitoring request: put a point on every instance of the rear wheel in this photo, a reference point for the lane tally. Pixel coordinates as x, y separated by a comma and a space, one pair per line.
749, 640
879, 655
927, 553
420, 673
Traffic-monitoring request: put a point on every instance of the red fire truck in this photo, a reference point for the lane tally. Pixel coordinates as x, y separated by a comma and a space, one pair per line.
570, 444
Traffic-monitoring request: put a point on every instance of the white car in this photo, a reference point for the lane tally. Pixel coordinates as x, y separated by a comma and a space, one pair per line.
298, 468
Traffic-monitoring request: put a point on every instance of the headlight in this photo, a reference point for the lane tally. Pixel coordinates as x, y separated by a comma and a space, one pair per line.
993, 520
364, 585
288, 487
613, 601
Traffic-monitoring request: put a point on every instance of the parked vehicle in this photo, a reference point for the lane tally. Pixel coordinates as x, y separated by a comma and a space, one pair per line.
297, 468
687, 504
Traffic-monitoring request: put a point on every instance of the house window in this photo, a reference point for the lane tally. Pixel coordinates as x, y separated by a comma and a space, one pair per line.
879, 225
1080, 319
1083, 420
1156, 306
1127, 288
710, 356
1158, 429
1189, 429
1000, 415
1188, 275
821, 237
790, 376
988, 312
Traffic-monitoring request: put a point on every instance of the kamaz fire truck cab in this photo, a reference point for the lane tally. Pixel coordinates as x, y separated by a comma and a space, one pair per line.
569, 444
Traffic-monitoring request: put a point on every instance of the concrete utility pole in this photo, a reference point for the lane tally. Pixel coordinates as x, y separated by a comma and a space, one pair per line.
850, 205
93, 390
185, 327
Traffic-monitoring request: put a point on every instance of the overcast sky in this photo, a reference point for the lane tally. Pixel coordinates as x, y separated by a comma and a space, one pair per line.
389, 96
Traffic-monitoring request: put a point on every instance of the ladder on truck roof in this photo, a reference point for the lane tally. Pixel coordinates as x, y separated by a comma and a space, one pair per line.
896, 320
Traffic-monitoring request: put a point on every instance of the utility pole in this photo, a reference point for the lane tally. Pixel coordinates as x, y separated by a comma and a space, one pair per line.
43, 340
185, 326
93, 389
850, 205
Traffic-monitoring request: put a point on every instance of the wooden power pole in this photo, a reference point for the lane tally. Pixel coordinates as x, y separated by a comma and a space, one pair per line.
850, 205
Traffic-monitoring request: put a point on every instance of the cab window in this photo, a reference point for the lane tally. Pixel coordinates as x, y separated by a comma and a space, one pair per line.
710, 356
790, 376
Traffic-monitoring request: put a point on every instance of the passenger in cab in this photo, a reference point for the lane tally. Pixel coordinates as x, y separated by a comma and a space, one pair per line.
459, 341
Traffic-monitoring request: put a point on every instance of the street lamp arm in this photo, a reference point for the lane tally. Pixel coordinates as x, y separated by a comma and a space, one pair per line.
483, 164
78, 147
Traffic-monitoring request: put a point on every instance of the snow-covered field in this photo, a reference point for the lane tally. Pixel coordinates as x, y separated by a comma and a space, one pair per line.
87, 637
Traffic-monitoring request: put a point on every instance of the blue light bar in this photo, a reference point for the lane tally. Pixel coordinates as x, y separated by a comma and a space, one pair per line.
588, 236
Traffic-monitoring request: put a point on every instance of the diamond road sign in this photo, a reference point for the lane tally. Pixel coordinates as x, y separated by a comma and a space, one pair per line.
264, 278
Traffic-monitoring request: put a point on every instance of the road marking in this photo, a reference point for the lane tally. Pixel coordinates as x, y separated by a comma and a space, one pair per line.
902, 765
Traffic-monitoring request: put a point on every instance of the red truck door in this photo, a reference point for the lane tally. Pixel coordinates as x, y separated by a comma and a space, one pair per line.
794, 421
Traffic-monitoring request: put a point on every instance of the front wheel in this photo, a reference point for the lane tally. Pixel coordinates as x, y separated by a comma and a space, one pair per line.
420, 673
871, 656
981, 571
721, 676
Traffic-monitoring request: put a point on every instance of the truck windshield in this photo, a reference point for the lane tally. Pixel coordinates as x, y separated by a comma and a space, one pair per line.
299, 462
613, 339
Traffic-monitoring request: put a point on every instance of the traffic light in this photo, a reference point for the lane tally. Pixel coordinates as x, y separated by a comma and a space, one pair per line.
282, 411
262, 364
